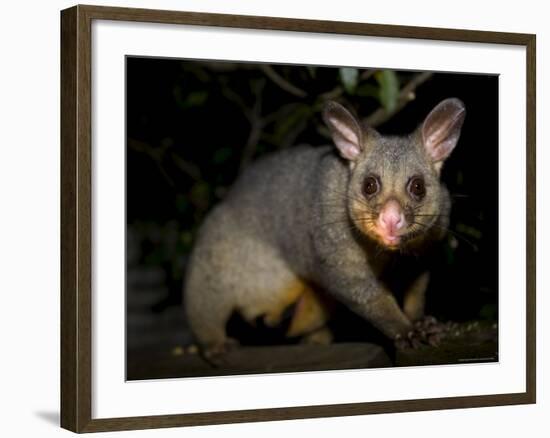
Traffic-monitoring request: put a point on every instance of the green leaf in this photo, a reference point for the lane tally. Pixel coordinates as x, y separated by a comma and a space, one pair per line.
389, 89
489, 311
196, 98
285, 124
181, 203
222, 155
449, 252
199, 195
469, 230
186, 239
193, 99
368, 90
350, 78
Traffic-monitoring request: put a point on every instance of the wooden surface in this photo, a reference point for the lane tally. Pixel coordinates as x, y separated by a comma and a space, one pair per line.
472, 342
467, 343
254, 360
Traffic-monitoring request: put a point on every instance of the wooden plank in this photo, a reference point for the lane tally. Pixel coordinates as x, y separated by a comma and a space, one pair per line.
256, 360
472, 342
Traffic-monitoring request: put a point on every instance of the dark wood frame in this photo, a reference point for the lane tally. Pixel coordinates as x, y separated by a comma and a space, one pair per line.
76, 238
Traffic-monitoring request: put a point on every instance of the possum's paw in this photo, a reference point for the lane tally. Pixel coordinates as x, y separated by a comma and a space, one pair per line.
425, 331
214, 351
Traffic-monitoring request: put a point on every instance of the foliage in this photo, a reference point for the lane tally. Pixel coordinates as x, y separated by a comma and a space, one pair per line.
275, 106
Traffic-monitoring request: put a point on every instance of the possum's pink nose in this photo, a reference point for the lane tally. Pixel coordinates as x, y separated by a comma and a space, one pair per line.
391, 219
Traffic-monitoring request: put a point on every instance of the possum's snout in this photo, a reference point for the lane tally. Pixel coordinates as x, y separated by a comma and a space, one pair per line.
391, 223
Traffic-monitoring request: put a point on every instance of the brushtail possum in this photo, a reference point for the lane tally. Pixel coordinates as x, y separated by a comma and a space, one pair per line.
335, 218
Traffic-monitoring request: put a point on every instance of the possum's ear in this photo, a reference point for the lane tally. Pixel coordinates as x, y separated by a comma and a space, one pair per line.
441, 129
345, 130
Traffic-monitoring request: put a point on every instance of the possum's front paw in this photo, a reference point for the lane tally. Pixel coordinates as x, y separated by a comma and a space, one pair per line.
216, 350
425, 331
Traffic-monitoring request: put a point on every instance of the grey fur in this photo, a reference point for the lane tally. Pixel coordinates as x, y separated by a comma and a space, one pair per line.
301, 214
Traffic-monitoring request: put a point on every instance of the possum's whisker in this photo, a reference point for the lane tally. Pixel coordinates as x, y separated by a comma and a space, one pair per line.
366, 220
350, 226
379, 249
452, 232
414, 232
349, 223
460, 195
347, 196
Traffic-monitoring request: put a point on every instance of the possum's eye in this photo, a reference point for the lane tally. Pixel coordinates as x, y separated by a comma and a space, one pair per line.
417, 188
371, 186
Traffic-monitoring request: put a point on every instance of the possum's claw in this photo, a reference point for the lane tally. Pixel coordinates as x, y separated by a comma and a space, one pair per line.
425, 331
213, 354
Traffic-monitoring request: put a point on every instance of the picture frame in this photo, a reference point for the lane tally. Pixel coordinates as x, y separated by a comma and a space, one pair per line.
78, 170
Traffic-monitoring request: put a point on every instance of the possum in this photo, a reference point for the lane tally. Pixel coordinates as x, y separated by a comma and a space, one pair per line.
333, 218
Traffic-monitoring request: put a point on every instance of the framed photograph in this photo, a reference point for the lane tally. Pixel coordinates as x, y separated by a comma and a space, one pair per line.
268, 218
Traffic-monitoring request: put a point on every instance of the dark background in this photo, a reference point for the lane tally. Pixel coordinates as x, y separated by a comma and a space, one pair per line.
192, 127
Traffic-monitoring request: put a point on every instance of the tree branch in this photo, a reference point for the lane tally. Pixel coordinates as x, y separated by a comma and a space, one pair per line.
158, 155
406, 95
254, 116
367, 74
187, 167
282, 82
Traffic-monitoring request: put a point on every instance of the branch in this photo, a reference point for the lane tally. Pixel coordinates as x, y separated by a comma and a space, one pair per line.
332, 94
236, 99
367, 74
406, 95
292, 135
338, 90
282, 82
190, 169
158, 155
254, 116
